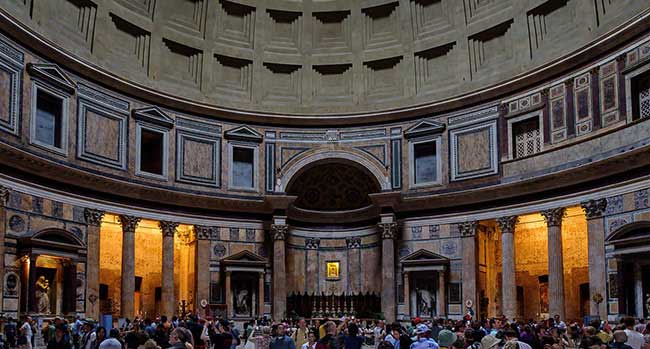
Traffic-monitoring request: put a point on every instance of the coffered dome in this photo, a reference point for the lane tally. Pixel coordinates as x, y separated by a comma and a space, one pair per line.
342, 60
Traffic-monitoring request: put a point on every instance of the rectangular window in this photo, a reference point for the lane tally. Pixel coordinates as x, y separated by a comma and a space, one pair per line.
641, 96
48, 121
425, 162
526, 137
243, 167
152, 150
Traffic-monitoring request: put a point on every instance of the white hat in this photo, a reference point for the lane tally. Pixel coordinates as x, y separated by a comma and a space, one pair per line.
110, 343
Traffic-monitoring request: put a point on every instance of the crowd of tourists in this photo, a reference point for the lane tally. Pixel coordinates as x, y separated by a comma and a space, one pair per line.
193, 332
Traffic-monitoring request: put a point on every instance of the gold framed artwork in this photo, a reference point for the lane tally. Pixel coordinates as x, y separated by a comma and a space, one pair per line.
333, 269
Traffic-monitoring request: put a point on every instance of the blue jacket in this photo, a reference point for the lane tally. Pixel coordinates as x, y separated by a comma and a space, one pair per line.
284, 342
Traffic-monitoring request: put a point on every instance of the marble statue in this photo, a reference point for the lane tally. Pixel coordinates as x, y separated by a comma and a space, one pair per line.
426, 302
241, 306
647, 304
42, 298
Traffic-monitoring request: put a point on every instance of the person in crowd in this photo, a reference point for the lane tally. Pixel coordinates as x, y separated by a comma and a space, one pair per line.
150, 344
620, 337
423, 338
311, 341
135, 337
100, 336
60, 340
11, 332
115, 333
25, 334
395, 335
353, 340
511, 336
300, 336
282, 341
634, 338
264, 340
220, 336
379, 332
446, 338
161, 336
181, 338
88, 334
328, 340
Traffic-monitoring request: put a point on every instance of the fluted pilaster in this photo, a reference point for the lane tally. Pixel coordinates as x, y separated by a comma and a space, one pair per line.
468, 232
508, 280
388, 233
93, 219
594, 210
553, 218
127, 291
168, 301
279, 233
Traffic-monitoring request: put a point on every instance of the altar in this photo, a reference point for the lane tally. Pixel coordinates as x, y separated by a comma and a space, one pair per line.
244, 285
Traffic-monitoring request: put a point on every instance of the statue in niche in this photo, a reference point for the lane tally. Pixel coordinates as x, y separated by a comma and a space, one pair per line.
425, 302
42, 298
647, 305
241, 304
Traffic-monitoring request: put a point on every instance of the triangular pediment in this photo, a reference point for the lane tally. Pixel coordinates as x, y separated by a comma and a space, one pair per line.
423, 128
154, 115
424, 257
244, 256
52, 74
244, 133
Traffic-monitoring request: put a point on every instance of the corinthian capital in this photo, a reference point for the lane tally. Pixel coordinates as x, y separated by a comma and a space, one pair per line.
468, 229
388, 230
594, 208
279, 231
4, 195
168, 228
93, 217
553, 216
507, 224
129, 223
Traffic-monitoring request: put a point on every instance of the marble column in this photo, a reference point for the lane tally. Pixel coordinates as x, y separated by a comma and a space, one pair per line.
553, 218
442, 296
407, 295
230, 311
388, 232
168, 301
31, 299
93, 220
279, 230
470, 277
203, 273
4, 198
508, 280
638, 290
594, 210
260, 296
127, 291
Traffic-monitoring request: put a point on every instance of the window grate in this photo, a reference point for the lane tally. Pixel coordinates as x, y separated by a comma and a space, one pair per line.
644, 103
528, 140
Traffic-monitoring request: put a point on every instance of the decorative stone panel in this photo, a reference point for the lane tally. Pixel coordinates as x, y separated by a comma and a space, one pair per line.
582, 104
198, 151
11, 65
609, 108
474, 151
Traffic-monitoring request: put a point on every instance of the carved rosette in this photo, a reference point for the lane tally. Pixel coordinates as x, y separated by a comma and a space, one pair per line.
468, 229
507, 224
594, 208
4, 195
388, 230
129, 223
168, 228
279, 231
93, 217
553, 216
354, 242
312, 243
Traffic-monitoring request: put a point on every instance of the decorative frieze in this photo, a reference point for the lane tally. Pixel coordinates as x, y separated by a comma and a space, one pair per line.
168, 228
468, 229
93, 216
353, 242
204, 232
594, 208
553, 216
312, 243
4, 195
507, 224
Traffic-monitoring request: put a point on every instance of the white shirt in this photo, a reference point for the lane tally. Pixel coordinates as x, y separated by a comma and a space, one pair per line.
634, 339
306, 346
27, 330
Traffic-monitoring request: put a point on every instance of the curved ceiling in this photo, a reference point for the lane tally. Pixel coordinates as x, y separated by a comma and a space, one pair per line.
325, 60
333, 187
